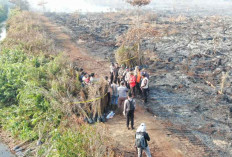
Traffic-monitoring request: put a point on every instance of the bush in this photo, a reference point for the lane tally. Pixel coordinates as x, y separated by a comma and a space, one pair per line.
26, 32
37, 92
126, 55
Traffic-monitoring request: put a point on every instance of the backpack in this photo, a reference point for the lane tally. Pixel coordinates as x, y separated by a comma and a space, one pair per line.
132, 106
140, 141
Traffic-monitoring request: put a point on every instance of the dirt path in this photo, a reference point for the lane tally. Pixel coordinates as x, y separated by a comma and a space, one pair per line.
162, 144
78, 55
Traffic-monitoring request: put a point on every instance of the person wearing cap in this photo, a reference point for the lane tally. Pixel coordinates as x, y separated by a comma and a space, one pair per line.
148, 77
144, 87
141, 132
146, 73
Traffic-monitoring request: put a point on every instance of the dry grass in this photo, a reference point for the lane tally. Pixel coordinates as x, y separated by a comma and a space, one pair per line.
127, 56
26, 32
94, 100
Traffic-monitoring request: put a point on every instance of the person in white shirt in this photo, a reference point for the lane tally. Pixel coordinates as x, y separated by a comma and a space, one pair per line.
144, 87
127, 78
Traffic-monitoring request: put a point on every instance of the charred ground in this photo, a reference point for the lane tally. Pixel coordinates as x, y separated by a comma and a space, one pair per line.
190, 66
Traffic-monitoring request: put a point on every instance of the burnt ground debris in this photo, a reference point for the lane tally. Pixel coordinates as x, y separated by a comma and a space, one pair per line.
187, 65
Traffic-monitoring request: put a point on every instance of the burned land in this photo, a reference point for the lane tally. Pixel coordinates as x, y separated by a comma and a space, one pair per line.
190, 66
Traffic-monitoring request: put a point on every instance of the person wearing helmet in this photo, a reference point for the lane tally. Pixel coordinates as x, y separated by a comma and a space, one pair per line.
141, 138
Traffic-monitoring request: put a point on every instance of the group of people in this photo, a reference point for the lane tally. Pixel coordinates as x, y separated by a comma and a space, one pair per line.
136, 79
126, 84
86, 79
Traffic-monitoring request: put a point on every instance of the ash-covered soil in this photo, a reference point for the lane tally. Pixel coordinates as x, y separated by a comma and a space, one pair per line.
190, 66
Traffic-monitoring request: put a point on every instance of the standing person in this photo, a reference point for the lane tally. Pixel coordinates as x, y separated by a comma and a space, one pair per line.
132, 82
147, 75
122, 95
144, 87
141, 138
137, 74
112, 69
116, 69
127, 77
108, 91
129, 109
121, 73
114, 100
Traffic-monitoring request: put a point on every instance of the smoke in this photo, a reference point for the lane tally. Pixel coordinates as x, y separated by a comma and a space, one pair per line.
109, 5
78, 5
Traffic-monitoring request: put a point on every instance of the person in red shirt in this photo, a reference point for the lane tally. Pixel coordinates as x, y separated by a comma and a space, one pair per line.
132, 82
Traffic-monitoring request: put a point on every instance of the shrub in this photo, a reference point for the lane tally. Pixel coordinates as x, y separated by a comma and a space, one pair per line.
127, 55
37, 92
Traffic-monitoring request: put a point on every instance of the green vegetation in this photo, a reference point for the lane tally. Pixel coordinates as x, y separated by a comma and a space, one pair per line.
37, 91
126, 55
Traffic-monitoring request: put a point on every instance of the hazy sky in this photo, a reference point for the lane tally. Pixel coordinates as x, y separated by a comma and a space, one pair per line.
104, 5
84, 5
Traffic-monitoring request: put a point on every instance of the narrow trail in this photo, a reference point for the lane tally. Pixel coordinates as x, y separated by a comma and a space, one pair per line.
162, 144
76, 54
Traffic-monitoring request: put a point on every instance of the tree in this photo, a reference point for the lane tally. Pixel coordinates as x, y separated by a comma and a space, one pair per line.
22, 4
138, 3
135, 34
42, 3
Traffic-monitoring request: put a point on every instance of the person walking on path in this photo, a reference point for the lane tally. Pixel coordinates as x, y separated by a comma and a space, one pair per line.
132, 83
122, 95
129, 109
114, 100
144, 87
141, 138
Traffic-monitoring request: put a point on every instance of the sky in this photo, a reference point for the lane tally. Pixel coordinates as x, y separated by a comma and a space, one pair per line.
81, 5
107, 5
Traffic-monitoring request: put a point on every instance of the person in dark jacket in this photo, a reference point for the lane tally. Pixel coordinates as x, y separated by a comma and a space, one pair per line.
129, 109
142, 130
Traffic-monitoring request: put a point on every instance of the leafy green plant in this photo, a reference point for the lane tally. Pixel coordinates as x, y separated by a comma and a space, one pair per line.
37, 91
